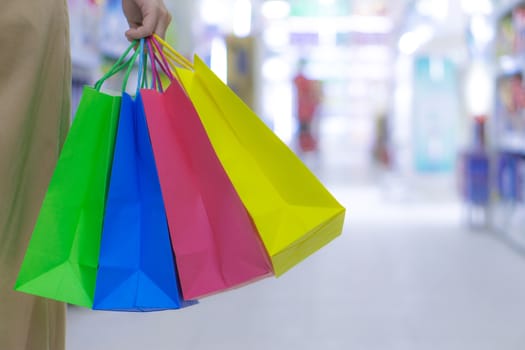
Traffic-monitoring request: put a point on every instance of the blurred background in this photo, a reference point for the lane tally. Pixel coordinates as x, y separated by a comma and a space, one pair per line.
412, 112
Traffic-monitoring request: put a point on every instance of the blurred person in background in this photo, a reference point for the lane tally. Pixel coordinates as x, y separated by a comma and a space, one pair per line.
35, 71
308, 98
380, 151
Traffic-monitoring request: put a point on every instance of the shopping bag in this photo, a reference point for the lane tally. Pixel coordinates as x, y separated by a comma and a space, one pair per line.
136, 268
215, 242
62, 256
294, 213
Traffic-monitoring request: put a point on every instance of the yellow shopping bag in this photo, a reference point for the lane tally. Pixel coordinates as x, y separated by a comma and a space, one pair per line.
293, 212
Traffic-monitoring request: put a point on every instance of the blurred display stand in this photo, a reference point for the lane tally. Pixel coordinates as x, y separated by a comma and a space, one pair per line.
241, 68
474, 173
427, 115
508, 124
436, 114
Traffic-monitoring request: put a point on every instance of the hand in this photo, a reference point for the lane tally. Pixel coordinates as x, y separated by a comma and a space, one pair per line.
145, 17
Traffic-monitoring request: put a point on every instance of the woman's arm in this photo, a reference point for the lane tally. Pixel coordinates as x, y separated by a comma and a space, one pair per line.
145, 17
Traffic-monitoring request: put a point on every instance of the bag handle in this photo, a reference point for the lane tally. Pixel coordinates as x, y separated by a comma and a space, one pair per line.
144, 65
117, 67
142, 78
141, 68
159, 64
160, 60
163, 58
171, 53
157, 82
120, 65
165, 62
130, 68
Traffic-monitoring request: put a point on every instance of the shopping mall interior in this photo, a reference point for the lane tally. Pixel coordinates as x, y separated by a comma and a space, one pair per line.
408, 112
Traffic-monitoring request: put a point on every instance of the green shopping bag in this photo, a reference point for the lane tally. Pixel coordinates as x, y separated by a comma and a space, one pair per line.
62, 256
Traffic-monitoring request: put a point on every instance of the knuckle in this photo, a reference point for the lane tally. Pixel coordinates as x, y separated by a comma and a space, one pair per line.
163, 11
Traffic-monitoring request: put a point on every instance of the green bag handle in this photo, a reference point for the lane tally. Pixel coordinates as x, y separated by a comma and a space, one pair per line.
130, 68
119, 66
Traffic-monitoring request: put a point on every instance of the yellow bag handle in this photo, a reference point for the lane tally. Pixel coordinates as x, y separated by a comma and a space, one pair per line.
169, 55
173, 55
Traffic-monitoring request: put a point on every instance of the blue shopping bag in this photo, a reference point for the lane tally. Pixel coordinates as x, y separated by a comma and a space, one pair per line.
136, 266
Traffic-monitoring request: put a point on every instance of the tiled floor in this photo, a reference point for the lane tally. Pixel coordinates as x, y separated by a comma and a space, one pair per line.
404, 275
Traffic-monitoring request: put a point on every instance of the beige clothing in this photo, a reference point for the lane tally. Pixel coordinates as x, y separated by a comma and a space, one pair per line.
35, 80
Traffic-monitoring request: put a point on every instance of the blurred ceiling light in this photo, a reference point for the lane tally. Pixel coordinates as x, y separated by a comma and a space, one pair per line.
242, 18
348, 24
276, 69
437, 9
482, 29
213, 11
276, 37
411, 41
219, 59
483, 7
479, 89
327, 35
373, 7
276, 9
371, 24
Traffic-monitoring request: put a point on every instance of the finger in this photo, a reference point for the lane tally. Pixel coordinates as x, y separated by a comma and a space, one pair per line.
146, 29
162, 25
133, 24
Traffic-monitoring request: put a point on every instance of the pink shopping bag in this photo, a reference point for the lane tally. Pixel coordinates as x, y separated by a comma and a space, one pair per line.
215, 242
